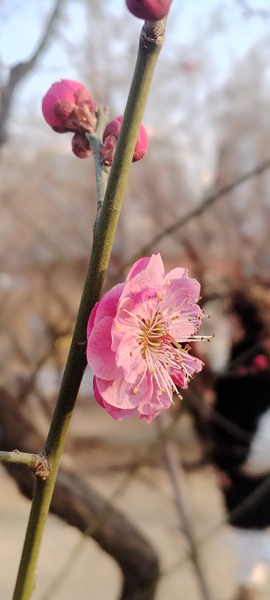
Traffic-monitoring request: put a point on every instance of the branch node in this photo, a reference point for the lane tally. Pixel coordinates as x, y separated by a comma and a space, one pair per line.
40, 465
152, 35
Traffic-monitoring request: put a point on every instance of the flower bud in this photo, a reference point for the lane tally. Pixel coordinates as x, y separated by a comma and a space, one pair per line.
69, 106
149, 10
110, 137
80, 147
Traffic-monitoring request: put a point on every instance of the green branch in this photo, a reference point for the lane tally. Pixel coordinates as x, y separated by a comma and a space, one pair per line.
21, 458
38, 463
151, 41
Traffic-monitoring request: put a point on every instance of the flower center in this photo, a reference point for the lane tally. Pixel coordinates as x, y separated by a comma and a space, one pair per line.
164, 347
152, 336
159, 351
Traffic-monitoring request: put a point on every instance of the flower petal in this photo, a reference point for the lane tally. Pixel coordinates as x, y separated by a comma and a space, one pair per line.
91, 319
154, 400
100, 356
120, 393
177, 273
155, 262
108, 303
116, 413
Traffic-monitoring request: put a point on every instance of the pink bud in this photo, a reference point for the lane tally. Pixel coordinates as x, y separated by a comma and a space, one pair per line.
80, 146
113, 128
110, 136
69, 106
62, 109
149, 10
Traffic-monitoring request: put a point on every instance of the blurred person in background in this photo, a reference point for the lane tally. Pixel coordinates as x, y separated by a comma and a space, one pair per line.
241, 435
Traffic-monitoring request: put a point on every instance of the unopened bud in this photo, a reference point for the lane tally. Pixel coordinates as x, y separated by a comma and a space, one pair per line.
110, 137
63, 109
80, 146
149, 10
69, 106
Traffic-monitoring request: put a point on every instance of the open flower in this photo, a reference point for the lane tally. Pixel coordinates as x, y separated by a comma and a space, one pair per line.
138, 338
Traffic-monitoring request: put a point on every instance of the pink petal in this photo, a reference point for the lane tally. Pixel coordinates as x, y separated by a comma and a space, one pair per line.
91, 319
138, 266
142, 141
97, 395
128, 356
108, 303
192, 365
182, 294
100, 357
120, 394
106, 307
116, 413
155, 262
60, 90
150, 418
153, 400
177, 273
143, 285
73, 85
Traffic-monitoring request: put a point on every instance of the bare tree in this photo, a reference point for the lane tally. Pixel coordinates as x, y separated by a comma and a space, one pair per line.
19, 71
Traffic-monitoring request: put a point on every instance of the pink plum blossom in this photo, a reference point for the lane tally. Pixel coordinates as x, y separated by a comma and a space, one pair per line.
110, 137
137, 340
149, 10
69, 106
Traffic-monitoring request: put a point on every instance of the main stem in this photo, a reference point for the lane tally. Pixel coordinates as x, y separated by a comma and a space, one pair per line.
151, 41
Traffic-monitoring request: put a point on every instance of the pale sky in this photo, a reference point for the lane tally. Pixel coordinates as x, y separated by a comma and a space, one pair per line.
188, 22
19, 33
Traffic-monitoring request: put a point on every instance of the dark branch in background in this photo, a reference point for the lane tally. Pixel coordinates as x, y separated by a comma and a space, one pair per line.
19, 72
191, 215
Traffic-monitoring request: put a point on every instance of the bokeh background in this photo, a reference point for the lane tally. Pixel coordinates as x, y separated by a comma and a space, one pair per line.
205, 179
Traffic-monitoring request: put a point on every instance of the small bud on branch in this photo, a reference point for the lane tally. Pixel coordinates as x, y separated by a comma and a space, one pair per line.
110, 137
149, 10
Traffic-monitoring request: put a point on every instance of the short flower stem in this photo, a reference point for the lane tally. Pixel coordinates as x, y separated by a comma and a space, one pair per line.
150, 45
102, 173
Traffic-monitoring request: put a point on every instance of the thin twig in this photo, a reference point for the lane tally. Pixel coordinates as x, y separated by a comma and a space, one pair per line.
20, 458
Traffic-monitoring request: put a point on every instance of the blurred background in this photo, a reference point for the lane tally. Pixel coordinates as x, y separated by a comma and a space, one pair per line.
205, 178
